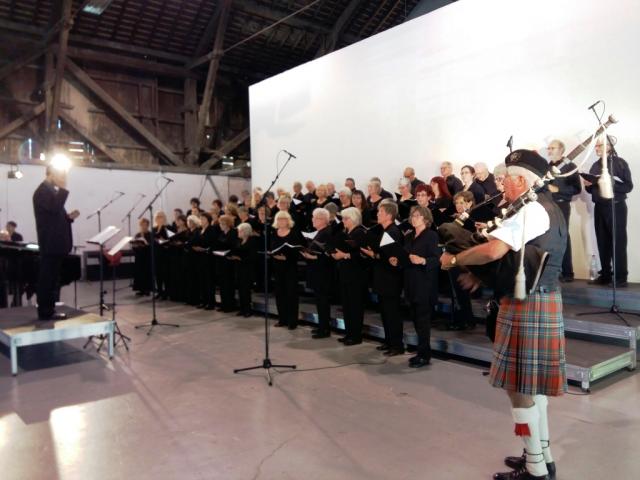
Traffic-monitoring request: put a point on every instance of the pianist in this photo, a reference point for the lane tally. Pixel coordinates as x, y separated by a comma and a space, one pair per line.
11, 230
53, 225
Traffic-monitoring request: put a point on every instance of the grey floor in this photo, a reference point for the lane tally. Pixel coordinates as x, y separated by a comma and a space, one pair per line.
171, 408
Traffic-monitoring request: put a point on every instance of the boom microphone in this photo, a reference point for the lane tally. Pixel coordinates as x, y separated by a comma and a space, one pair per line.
592, 106
290, 154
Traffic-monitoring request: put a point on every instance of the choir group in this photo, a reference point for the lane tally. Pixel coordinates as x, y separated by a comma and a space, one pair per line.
346, 244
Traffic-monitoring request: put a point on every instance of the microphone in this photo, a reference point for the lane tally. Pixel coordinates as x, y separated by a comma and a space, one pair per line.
592, 106
167, 179
290, 154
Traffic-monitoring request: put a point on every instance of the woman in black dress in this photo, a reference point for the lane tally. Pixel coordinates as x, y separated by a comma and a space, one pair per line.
226, 241
285, 269
442, 207
405, 199
162, 268
421, 280
192, 257
204, 247
177, 260
359, 201
467, 174
352, 274
245, 256
142, 259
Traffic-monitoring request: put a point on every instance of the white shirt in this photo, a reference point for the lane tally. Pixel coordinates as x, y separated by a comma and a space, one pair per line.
537, 223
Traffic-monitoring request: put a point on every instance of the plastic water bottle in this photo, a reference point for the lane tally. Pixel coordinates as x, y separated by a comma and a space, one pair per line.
593, 269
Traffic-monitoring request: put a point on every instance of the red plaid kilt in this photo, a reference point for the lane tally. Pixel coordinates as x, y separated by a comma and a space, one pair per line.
528, 352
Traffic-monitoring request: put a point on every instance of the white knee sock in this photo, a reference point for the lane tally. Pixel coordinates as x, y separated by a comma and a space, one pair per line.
528, 428
541, 402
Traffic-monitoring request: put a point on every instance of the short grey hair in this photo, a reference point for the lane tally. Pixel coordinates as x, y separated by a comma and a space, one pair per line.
245, 230
481, 167
322, 213
353, 214
500, 170
404, 182
346, 191
376, 184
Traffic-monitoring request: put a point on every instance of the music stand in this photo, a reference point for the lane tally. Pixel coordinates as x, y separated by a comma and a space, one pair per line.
100, 240
154, 321
266, 362
114, 256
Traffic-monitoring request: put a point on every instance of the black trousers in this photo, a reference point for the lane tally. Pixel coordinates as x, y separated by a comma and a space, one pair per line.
465, 313
323, 306
420, 314
162, 271
227, 284
567, 260
603, 221
286, 284
391, 321
207, 280
353, 299
48, 289
244, 276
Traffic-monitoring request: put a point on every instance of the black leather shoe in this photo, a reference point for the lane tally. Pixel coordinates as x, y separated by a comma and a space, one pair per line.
520, 462
350, 341
393, 352
247, 314
321, 334
383, 348
343, 339
566, 278
600, 280
292, 327
279, 324
55, 316
620, 283
417, 362
520, 474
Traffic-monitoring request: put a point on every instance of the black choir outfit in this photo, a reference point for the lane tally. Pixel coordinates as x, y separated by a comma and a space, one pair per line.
442, 210
454, 184
488, 185
421, 287
206, 266
387, 284
603, 218
353, 275
160, 237
177, 260
321, 278
478, 192
142, 263
404, 207
245, 270
55, 240
225, 268
568, 187
285, 274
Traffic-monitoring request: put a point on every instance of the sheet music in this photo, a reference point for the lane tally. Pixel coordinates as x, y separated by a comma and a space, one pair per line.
221, 253
296, 201
310, 235
386, 239
169, 233
120, 245
104, 236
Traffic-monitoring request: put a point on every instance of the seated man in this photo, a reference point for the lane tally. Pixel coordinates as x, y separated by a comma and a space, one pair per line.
11, 230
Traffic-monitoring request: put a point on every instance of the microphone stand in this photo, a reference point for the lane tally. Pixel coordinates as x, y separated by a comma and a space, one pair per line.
266, 362
614, 309
154, 322
128, 215
128, 218
102, 305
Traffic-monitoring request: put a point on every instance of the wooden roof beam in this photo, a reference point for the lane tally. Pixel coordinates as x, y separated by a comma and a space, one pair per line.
21, 120
122, 113
212, 74
338, 29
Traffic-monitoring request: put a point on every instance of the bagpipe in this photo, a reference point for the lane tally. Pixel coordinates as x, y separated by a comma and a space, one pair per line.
515, 273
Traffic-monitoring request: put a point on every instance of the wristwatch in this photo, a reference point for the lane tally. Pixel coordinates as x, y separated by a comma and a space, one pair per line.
453, 261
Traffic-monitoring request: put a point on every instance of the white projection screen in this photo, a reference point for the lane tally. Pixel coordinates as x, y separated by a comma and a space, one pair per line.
454, 85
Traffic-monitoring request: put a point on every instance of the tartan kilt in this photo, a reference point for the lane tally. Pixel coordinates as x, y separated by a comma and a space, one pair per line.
529, 347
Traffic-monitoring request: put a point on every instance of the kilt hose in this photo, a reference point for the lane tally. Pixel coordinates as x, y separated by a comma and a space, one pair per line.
529, 347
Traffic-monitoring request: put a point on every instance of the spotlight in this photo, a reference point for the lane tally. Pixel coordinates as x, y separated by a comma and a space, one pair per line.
15, 173
96, 7
60, 162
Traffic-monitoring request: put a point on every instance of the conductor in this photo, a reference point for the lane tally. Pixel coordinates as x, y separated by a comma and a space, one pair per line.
53, 225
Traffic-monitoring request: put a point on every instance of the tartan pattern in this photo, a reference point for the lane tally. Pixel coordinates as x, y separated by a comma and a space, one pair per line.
529, 347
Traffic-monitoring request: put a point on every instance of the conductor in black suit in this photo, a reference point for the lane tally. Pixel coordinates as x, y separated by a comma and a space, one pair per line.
53, 225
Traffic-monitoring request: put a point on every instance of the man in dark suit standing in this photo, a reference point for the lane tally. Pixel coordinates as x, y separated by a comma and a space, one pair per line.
53, 225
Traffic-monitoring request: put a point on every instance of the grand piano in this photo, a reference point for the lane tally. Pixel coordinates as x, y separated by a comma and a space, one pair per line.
19, 271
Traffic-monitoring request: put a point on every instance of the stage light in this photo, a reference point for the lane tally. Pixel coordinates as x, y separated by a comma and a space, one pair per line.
60, 162
43, 157
15, 173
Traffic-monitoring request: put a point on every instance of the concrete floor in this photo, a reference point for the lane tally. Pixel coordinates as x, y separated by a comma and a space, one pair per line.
172, 408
